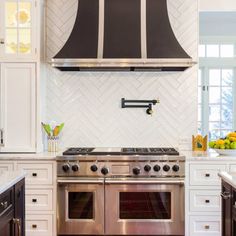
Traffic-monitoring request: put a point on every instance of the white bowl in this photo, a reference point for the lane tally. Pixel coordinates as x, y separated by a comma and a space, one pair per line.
226, 152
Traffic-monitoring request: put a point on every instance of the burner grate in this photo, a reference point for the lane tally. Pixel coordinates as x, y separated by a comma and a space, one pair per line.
78, 151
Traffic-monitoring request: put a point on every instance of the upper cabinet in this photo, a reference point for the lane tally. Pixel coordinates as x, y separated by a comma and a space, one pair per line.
18, 29
18, 107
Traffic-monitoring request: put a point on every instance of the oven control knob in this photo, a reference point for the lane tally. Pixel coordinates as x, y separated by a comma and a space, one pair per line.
105, 170
147, 168
166, 168
66, 167
75, 167
175, 168
136, 170
93, 168
156, 168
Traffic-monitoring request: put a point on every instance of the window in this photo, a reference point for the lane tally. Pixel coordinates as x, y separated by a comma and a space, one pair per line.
216, 84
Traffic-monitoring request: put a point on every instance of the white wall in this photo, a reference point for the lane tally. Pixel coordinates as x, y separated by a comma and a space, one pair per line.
217, 5
89, 103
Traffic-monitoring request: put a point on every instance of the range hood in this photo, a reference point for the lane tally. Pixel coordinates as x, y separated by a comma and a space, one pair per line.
122, 35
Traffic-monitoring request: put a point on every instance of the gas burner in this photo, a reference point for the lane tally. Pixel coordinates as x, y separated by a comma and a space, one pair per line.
150, 151
78, 151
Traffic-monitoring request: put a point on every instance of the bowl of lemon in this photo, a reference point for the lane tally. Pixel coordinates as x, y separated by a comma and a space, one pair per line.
225, 146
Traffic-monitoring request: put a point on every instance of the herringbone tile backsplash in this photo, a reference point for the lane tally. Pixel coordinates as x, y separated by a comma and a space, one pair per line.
90, 102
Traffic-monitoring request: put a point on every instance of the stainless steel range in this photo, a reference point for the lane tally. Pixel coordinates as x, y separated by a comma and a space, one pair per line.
121, 191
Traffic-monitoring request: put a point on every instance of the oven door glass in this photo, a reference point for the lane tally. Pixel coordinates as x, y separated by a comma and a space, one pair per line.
145, 205
81, 205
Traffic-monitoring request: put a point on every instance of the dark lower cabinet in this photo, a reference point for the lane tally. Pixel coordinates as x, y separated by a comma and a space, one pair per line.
12, 210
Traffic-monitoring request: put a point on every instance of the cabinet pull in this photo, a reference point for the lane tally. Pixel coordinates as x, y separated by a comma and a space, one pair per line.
207, 175
34, 174
2, 138
207, 201
207, 226
4, 204
225, 195
18, 224
34, 200
2, 41
34, 226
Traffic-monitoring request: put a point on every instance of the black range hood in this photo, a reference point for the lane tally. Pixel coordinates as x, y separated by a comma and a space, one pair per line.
132, 35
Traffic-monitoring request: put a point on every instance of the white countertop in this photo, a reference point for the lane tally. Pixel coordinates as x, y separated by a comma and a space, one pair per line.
29, 156
9, 179
229, 178
206, 156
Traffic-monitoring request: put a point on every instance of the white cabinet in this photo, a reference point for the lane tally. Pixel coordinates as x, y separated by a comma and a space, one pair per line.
18, 25
18, 107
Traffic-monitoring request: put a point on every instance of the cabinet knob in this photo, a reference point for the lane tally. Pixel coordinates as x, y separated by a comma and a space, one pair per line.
34, 174
34, 200
34, 226
207, 226
2, 41
207, 175
207, 201
4, 204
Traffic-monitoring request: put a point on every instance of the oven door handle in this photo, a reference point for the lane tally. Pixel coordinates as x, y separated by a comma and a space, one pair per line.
80, 181
144, 181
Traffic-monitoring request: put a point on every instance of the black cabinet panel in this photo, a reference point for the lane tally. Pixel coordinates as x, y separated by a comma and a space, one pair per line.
122, 29
20, 206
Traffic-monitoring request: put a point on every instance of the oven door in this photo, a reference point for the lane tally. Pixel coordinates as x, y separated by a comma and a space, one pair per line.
144, 206
80, 206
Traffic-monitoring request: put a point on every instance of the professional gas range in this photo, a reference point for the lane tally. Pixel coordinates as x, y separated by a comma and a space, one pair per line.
121, 191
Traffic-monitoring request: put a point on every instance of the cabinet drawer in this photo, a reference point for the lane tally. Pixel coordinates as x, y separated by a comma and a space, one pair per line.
38, 200
5, 166
37, 173
205, 225
39, 225
205, 200
205, 174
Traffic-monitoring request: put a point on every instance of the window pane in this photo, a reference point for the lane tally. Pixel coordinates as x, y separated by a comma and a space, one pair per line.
214, 113
10, 14
214, 77
214, 95
227, 77
11, 41
214, 134
227, 50
24, 40
212, 50
227, 97
199, 128
24, 14
202, 51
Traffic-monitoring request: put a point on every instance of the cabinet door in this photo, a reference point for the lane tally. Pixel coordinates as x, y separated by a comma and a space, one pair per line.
17, 117
226, 209
17, 31
20, 206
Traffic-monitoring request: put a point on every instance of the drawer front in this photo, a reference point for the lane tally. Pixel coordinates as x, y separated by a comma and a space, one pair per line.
37, 173
39, 225
205, 225
205, 174
6, 167
39, 200
205, 200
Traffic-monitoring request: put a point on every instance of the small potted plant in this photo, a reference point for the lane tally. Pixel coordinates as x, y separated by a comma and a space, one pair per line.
53, 136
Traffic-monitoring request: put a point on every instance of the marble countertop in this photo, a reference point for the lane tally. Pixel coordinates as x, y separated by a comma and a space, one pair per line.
229, 178
29, 156
9, 179
206, 156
